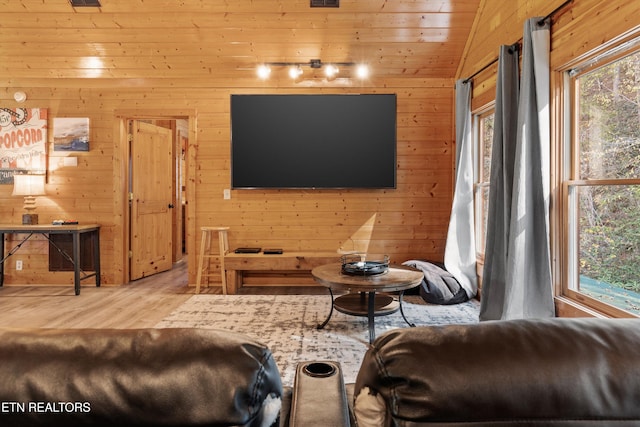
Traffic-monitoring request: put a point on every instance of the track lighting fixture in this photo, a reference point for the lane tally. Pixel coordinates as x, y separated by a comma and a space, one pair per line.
331, 70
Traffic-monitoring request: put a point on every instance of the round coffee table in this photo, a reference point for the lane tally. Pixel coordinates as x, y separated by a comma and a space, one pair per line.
361, 299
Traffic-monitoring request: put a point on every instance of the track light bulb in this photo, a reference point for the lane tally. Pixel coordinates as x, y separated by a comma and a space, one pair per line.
362, 71
295, 72
331, 71
264, 71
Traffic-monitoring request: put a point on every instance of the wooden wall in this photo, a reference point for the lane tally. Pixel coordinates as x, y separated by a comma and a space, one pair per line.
497, 23
408, 222
577, 28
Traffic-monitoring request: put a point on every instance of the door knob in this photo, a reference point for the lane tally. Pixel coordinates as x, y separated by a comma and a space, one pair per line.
171, 206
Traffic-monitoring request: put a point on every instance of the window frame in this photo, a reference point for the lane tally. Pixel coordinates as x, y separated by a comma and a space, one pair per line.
478, 184
566, 239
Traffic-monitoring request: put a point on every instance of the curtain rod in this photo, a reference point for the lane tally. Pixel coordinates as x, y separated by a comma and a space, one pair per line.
555, 11
517, 43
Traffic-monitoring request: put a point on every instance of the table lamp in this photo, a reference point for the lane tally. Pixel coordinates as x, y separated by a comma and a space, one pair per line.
29, 186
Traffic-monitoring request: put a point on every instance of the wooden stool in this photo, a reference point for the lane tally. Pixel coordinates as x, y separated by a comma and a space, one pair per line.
205, 254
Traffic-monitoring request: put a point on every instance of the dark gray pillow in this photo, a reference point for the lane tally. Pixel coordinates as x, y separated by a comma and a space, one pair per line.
438, 286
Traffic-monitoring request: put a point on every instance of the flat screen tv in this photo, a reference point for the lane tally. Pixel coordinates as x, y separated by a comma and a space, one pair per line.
313, 141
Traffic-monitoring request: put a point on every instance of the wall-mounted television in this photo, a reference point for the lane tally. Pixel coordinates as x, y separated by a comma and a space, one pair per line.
313, 141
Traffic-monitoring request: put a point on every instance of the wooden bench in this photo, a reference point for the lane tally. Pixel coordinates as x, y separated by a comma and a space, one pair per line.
237, 264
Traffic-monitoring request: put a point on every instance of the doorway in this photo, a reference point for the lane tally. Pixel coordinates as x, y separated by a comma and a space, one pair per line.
155, 227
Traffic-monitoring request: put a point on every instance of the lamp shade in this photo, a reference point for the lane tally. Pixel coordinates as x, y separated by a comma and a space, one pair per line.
28, 185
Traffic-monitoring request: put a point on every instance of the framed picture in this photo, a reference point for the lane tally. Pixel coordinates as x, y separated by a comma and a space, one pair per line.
71, 134
23, 142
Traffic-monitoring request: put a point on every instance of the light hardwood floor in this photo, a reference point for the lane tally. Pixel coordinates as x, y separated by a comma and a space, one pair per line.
138, 304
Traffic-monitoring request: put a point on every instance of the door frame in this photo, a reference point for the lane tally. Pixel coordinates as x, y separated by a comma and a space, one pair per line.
121, 245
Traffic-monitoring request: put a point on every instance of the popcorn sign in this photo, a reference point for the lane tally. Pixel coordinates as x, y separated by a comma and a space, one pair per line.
23, 141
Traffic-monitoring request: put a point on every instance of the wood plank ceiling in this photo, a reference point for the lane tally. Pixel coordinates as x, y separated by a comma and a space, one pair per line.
222, 41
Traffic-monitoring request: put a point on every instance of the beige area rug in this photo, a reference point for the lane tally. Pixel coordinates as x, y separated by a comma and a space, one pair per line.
287, 324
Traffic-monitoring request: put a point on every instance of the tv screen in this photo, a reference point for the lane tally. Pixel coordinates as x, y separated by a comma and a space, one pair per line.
313, 141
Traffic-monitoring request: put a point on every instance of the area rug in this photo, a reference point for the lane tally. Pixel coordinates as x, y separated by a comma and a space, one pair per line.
287, 325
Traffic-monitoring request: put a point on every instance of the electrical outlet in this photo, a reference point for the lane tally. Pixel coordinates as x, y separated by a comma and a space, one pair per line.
19, 265
226, 194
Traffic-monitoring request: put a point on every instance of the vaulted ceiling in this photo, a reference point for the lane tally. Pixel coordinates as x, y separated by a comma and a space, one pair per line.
222, 41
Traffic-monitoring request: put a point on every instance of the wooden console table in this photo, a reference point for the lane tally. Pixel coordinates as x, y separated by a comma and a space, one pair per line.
236, 264
46, 231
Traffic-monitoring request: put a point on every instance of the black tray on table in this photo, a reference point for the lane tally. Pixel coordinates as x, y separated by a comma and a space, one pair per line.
358, 265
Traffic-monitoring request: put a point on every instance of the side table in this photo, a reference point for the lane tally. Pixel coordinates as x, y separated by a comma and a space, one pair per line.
361, 299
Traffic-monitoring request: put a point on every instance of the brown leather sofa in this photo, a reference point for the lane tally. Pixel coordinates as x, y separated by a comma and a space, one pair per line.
145, 377
158, 377
554, 372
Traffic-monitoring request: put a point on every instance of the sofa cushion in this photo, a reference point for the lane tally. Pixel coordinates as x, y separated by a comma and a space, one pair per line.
533, 372
168, 377
438, 285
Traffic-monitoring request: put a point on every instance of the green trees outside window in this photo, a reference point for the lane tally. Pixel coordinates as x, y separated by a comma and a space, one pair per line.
607, 186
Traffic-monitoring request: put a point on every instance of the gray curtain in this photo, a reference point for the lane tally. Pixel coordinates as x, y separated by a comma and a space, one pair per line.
524, 264
460, 248
494, 277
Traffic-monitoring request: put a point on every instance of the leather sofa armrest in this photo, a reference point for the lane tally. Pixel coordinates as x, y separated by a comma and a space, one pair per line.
529, 371
319, 396
143, 377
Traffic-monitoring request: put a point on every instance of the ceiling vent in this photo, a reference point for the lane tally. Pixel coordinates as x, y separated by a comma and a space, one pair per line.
325, 3
85, 3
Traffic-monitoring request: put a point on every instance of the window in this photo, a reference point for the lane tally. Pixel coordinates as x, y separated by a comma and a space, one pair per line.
601, 189
483, 129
